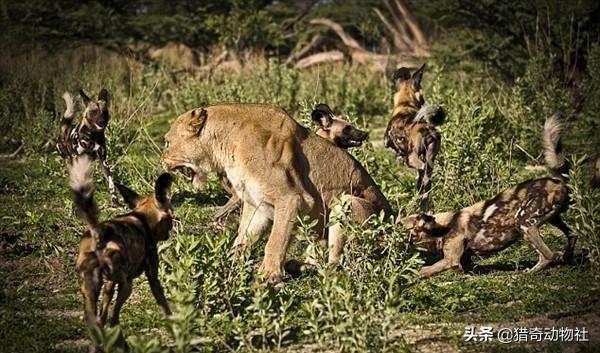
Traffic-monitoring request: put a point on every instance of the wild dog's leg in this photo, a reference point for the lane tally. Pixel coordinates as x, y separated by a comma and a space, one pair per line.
109, 180
91, 283
532, 235
224, 211
108, 292
453, 251
123, 292
571, 239
466, 260
423, 181
432, 147
437, 267
155, 286
286, 210
254, 221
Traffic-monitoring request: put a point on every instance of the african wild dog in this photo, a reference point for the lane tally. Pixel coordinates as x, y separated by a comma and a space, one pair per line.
118, 250
331, 127
412, 131
336, 130
492, 225
87, 137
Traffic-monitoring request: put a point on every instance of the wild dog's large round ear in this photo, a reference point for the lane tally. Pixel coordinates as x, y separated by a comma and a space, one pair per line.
198, 118
322, 115
417, 76
402, 74
162, 189
103, 95
131, 197
84, 97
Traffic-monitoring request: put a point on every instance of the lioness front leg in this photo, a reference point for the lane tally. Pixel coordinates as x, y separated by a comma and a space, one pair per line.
286, 210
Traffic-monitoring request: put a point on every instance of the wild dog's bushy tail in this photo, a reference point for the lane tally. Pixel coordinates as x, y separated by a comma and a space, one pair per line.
433, 114
69, 111
553, 151
70, 103
82, 190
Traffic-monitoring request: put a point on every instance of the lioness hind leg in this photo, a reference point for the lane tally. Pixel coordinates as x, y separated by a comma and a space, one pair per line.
286, 210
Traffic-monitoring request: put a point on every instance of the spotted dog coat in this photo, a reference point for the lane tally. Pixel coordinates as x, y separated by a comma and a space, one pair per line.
492, 225
86, 137
116, 251
412, 131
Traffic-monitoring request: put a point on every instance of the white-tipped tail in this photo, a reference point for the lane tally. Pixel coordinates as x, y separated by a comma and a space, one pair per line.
80, 174
553, 154
82, 191
70, 110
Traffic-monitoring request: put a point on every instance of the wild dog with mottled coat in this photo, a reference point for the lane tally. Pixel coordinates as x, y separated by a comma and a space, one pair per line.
87, 136
278, 168
331, 127
116, 251
412, 130
492, 225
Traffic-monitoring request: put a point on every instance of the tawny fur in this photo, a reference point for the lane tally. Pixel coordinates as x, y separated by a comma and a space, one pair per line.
277, 167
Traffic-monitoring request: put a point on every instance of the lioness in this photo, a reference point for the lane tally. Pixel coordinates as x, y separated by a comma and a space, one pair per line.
276, 167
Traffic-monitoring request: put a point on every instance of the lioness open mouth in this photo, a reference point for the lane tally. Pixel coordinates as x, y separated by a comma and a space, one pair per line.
191, 172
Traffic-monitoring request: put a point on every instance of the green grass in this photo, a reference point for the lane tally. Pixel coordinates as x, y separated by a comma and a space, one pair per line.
366, 303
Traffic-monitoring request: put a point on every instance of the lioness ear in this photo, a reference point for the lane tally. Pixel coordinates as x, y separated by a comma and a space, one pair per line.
131, 197
162, 190
84, 97
417, 76
198, 118
103, 95
323, 116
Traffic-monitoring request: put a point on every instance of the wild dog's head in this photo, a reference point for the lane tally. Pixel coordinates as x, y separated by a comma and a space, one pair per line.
96, 114
424, 228
336, 130
155, 207
407, 87
185, 146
